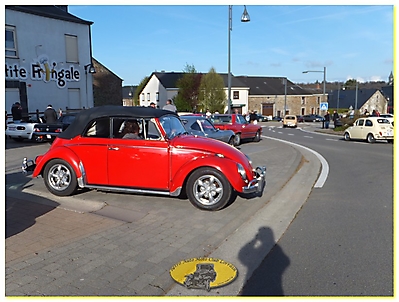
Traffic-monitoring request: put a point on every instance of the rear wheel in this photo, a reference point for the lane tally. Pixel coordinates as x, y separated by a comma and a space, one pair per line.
208, 189
370, 138
60, 178
257, 137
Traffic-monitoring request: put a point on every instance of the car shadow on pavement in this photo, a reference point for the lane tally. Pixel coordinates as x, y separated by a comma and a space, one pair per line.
266, 277
21, 210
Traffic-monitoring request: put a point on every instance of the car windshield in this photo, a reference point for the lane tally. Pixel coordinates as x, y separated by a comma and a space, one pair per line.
206, 125
172, 126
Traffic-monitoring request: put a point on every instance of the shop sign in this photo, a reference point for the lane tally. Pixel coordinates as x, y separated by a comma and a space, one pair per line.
42, 70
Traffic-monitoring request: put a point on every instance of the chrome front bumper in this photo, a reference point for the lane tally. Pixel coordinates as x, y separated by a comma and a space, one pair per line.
257, 184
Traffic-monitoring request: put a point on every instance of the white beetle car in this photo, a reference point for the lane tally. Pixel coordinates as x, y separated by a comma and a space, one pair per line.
22, 130
370, 129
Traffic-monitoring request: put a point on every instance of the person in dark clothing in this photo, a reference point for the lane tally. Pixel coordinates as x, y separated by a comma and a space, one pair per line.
253, 117
335, 118
16, 111
327, 120
50, 115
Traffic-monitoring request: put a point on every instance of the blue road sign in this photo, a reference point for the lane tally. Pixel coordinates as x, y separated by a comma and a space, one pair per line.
323, 106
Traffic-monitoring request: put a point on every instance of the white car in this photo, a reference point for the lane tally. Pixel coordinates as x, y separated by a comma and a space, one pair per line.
370, 129
23, 130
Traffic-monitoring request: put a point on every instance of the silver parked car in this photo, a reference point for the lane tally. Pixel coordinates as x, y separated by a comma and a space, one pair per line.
201, 126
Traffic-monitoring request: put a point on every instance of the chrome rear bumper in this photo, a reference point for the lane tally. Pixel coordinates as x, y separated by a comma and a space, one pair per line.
28, 165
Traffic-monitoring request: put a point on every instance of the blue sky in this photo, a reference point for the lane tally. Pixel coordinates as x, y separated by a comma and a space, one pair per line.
351, 41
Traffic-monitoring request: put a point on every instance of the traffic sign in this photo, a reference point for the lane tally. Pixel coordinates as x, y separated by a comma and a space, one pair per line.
324, 106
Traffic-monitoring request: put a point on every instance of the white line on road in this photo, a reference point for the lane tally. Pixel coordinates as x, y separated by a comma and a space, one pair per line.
325, 168
308, 136
291, 134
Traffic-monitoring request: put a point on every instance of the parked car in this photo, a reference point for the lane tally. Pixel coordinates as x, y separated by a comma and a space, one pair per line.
165, 160
23, 130
201, 126
290, 121
300, 118
313, 118
48, 132
261, 118
370, 129
277, 118
241, 127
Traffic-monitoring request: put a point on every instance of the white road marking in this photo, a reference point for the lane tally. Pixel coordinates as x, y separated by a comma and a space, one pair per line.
290, 134
308, 136
325, 168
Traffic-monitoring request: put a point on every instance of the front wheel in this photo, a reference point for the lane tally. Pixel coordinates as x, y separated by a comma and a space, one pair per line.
370, 138
208, 189
231, 141
347, 136
237, 139
60, 178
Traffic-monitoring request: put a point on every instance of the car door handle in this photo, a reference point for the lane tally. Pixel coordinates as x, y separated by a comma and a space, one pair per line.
113, 148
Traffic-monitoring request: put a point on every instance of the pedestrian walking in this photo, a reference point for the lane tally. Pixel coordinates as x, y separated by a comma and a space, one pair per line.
16, 111
50, 115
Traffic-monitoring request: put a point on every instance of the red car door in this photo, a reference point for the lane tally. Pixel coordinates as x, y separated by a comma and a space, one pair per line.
139, 163
248, 130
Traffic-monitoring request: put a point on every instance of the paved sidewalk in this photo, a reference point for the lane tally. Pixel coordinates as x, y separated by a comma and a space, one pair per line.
56, 251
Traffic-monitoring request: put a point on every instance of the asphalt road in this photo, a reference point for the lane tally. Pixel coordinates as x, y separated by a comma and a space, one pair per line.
341, 242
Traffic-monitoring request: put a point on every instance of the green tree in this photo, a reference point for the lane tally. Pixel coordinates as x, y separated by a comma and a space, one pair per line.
136, 96
212, 95
350, 84
187, 97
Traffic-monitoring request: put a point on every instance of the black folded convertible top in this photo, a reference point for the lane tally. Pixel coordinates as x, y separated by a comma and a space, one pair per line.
87, 115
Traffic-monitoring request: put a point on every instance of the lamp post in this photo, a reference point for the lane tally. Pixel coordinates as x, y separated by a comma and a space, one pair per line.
324, 80
244, 18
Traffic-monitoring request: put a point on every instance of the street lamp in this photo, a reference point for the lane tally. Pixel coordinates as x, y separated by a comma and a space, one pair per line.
324, 80
244, 18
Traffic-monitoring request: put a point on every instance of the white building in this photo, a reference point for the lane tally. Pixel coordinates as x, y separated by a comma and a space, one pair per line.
161, 86
47, 58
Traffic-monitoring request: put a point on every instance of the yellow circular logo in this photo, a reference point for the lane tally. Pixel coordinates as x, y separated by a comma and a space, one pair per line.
203, 273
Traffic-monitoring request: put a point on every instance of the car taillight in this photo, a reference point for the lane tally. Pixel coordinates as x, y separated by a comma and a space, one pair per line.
36, 130
20, 128
58, 130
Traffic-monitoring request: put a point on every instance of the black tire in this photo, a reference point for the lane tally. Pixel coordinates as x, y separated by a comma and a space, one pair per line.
237, 139
347, 136
390, 141
208, 189
370, 138
60, 178
231, 141
257, 137
36, 139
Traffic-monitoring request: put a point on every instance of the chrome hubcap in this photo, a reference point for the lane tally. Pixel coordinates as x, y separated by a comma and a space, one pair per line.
59, 177
208, 189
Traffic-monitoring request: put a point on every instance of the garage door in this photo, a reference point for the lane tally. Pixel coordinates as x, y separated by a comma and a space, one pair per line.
267, 109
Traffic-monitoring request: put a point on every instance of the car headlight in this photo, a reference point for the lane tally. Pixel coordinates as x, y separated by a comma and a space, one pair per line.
241, 171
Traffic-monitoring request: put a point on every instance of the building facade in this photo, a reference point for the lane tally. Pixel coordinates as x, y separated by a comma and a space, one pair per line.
48, 58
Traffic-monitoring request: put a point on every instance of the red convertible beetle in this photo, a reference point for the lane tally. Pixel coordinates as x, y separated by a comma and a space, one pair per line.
92, 153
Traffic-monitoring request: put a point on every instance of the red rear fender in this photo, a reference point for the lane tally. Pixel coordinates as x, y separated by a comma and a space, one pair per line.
59, 153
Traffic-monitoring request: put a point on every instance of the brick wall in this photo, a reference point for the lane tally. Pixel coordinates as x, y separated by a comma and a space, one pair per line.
107, 87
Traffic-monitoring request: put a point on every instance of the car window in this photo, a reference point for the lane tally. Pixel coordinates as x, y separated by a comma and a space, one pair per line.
206, 126
221, 119
172, 126
383, 121
360, 122
98, 128
368, 123
195, 126
67, 119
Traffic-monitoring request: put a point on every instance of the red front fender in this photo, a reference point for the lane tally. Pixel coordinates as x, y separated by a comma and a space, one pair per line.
224, 165
60, 153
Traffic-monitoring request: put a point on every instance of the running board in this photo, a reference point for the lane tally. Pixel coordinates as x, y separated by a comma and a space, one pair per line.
130, 190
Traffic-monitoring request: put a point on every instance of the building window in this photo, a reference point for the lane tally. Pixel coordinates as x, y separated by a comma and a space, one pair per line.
142, 98
11, 42
148, 96
71, 49
236, 95
318, 100
157, 96
303, 100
